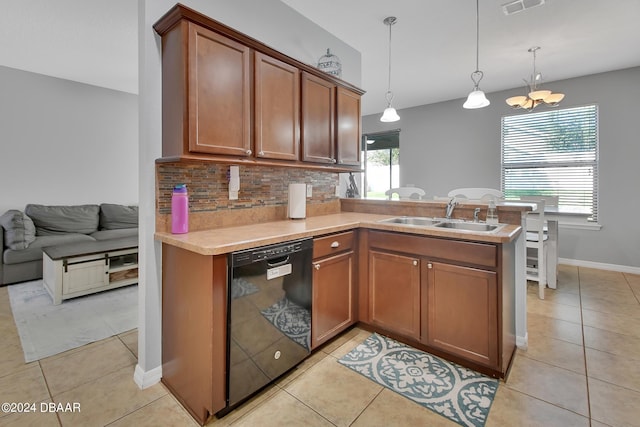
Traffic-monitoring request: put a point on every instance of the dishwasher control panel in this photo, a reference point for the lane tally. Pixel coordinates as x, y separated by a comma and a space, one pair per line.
264, 253
276, 252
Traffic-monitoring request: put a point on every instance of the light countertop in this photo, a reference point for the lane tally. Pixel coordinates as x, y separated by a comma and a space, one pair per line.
229, 239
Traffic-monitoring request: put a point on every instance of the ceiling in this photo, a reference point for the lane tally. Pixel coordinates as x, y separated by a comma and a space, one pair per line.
433, 42
89, 41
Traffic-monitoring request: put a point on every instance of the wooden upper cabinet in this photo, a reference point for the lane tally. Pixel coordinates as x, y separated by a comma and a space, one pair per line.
277, 109
219, 94
348, 124
228, 97
318, 116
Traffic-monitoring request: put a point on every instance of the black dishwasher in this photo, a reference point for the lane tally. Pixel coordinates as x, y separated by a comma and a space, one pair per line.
269, 315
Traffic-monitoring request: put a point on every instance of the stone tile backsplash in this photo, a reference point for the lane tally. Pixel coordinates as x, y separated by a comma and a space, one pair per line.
260, 186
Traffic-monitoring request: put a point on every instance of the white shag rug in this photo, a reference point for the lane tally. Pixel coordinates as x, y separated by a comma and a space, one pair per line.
46, 329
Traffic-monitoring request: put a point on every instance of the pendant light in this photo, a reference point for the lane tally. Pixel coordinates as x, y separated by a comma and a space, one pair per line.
476, 98
390, 114
536, 96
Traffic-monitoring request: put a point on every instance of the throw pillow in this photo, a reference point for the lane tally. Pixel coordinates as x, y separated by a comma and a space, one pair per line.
113, 217
19, 231
54, 220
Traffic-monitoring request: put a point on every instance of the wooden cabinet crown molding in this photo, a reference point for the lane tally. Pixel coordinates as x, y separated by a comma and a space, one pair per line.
180, 12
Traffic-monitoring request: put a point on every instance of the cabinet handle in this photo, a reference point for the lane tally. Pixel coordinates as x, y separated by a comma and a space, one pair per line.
415, 262
335, 244
261, 153
334, 161
429, 265
249, 152
317, 266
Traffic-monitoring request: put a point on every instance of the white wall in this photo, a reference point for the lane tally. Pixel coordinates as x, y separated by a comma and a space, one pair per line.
64, 142
269, 21
443, 146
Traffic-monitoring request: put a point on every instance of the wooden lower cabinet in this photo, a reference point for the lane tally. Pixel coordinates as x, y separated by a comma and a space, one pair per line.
394, 293
452, 297
460, 311
194, 333
333, 307
334, 286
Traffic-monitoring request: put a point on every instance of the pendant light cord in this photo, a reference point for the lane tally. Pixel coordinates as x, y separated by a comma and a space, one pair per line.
477, 34
389, 81
389, 95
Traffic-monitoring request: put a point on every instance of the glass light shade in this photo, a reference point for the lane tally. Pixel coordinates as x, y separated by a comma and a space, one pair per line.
539, 95
516, 101
476, 99
530, 104
390, 115
554, 99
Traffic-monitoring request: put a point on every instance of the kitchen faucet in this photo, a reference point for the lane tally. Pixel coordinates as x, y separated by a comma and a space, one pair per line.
450, 206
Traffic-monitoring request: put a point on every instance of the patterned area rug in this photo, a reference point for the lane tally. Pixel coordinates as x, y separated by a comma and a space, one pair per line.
293, 320
46, 329
457, 393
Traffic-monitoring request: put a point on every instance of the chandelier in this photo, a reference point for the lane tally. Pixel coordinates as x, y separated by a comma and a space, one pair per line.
536, 96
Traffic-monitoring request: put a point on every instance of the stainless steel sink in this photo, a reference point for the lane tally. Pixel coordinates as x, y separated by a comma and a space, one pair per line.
469, 226
412, 220
453, 224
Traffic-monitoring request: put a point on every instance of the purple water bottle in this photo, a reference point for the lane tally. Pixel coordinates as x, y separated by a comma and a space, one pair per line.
179, 210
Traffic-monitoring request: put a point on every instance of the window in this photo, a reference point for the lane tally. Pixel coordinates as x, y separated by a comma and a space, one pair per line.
553, 153
381, 152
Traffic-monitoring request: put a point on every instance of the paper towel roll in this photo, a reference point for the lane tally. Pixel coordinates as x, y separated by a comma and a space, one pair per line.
297, 200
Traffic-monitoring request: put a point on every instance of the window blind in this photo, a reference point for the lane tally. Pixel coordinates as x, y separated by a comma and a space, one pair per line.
553, 153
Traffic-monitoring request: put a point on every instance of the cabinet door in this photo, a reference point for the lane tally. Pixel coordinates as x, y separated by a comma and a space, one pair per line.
348, 127
83, 276
219, 94
333, 297
461, 318
277, 109
318, 115
394, 293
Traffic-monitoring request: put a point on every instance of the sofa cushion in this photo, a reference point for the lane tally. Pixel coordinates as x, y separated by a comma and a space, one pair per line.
19, 230
113, 217
34, 251
114, 234
55, 220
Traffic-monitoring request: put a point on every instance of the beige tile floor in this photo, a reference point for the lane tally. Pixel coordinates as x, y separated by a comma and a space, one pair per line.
582, 368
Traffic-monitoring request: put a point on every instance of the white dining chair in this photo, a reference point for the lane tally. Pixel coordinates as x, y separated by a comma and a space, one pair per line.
405, 193
551, 238
537, 247
482, 194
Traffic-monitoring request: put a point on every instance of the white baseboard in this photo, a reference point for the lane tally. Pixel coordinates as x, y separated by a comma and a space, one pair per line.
145, 379
600, 265
522, 342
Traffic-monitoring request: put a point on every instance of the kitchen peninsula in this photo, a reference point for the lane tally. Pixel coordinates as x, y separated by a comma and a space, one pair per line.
449, 292
448, 287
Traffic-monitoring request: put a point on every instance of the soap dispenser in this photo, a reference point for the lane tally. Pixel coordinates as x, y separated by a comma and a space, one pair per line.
492, 213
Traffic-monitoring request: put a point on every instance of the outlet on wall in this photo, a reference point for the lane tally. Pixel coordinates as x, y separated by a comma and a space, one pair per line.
309, 190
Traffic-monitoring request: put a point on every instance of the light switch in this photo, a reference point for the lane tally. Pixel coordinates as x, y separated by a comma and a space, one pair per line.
309, 190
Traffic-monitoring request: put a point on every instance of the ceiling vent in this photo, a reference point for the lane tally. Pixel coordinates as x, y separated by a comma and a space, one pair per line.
520, 5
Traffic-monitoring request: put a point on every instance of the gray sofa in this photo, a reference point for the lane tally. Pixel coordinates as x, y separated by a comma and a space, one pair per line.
24, 234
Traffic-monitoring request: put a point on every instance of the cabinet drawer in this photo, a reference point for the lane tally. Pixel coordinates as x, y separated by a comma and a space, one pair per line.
332, 244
